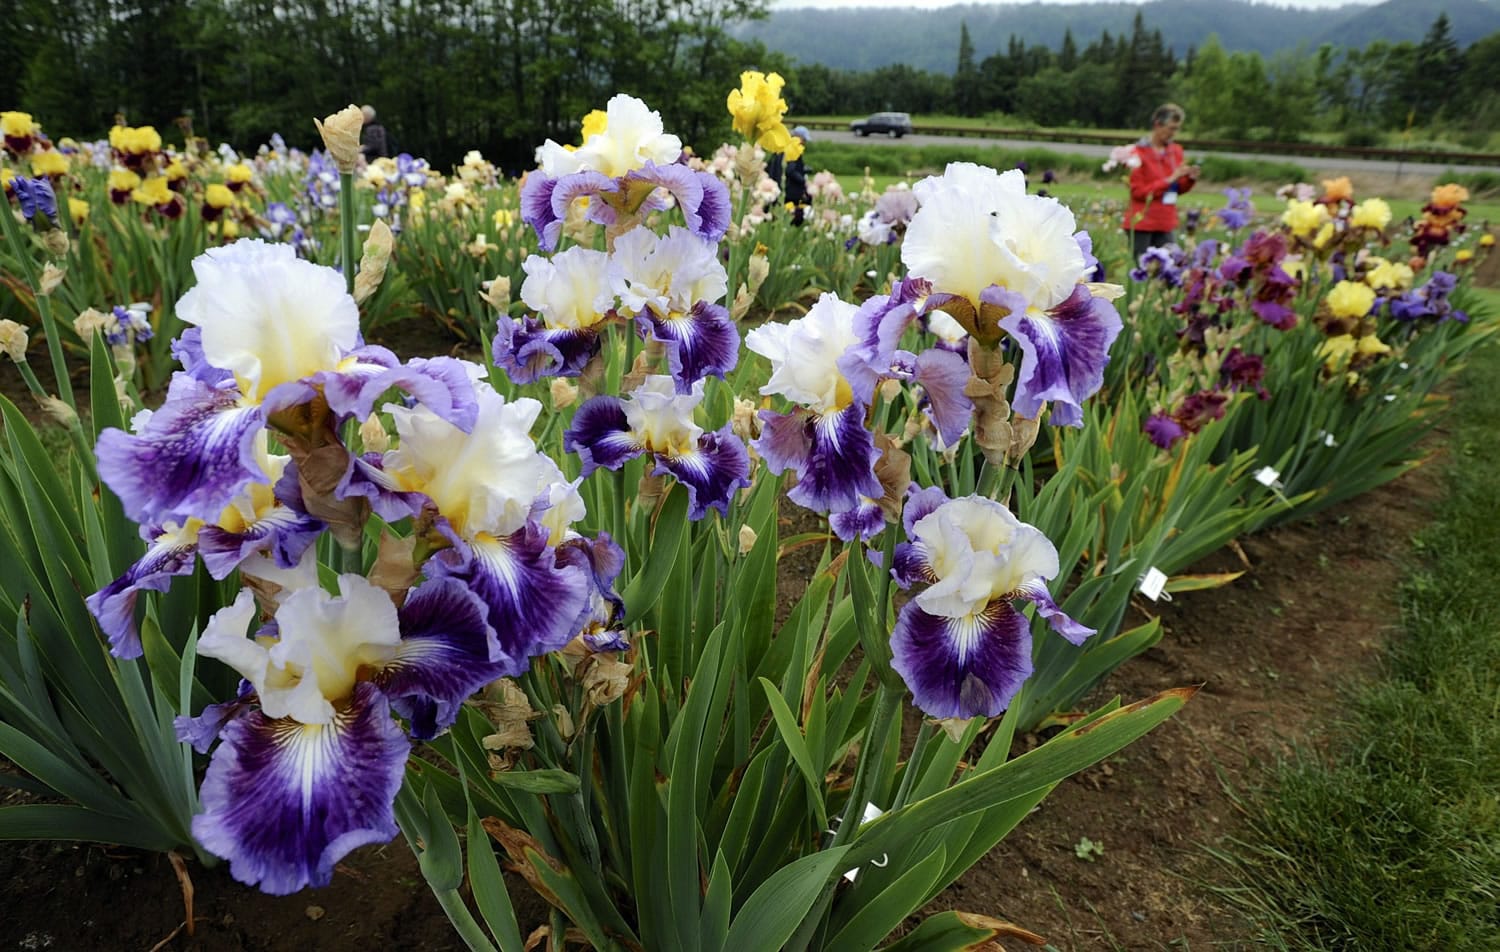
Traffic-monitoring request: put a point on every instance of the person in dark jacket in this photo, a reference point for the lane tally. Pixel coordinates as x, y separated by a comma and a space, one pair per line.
1156, 182
791, 177
375, 141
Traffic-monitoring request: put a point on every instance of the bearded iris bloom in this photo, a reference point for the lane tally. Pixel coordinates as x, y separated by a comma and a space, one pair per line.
757, 108
310, 758
574, 294
825, 440
498, 505
621, 168
271, 332
1002, 261
658, 420
672, 285
960, 644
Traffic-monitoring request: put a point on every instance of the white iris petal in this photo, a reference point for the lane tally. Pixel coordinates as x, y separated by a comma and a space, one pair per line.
268, 316
484, 481
804, 355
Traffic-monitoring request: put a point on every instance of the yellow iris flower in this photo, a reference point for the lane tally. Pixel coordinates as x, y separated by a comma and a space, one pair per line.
50, 162
135, 140
1304, 218
153, 191
123, 180
1351, 299
78, 210
1371, 213
18, 125
218, 196
757, 107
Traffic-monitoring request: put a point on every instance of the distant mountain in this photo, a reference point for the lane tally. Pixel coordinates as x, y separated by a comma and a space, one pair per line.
870, 37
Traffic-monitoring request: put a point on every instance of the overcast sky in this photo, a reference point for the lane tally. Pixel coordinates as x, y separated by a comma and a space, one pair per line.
930, 4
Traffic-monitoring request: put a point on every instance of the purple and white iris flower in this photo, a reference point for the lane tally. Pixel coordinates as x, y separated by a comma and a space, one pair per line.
502, 507
255, 522
656, 419
673, 284
573, 294
271, 332
824, 440
625, 170
310, 758
960, 644
1001, 260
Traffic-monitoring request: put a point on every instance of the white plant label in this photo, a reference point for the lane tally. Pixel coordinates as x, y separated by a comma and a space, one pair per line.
1153, 586
1268, 477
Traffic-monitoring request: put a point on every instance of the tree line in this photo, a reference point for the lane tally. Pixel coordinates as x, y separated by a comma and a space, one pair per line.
445, 76
502, 75
1115, 81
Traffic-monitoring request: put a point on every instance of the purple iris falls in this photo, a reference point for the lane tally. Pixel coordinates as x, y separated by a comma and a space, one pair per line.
834, 456
1063, 353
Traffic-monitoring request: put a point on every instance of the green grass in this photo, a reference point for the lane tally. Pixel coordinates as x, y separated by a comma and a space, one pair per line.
1392, 841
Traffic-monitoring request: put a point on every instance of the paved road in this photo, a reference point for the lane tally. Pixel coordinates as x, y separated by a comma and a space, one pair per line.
1319, 163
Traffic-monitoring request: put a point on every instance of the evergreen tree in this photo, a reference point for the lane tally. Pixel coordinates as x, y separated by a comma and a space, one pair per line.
1067, 57
1436, 69
966, 77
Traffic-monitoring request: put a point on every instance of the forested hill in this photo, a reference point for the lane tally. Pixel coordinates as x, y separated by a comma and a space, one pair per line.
868, 38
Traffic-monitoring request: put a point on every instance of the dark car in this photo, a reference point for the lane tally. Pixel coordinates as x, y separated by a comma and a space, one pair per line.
893, 124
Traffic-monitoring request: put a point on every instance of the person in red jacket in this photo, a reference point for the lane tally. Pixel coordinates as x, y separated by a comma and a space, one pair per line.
1156, 181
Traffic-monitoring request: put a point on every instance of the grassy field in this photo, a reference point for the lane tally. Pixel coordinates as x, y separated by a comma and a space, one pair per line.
1417, 139
1207, 197
1392, 841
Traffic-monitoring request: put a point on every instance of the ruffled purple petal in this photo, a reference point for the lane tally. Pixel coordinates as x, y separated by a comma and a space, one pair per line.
533, 601
1060, 621
284, 801
864, 522
700, 343
284, 534
584, 185
919, 504
192, 457
880, 322
447, 652
536, 208
712, 473
962, 667
1063, 355
203, 730
603, 560
344, 387
600, 435
837, 457
527, 350
114, 604
1162, 430
187, 350
943, 375
785, 440
909, 565
703, 198
1275, 313
439, 383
